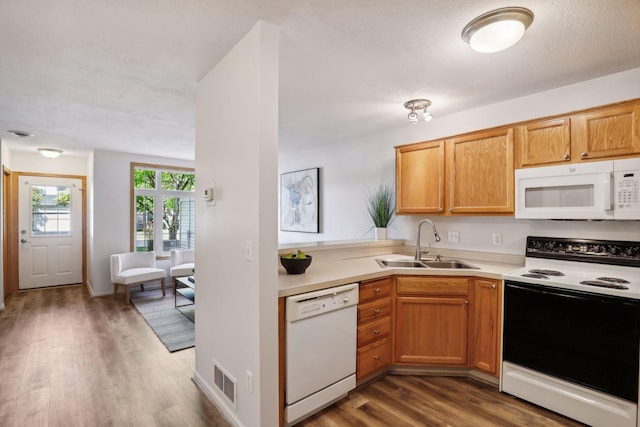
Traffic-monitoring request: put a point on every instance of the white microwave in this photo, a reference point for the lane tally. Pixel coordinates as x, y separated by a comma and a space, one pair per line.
595, 190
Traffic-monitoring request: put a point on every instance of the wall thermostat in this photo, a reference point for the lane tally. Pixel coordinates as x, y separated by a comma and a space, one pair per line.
207, 194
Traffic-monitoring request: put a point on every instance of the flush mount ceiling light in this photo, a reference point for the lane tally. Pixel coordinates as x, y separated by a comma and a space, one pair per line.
20, 133
416, 105
50, 153
497, 30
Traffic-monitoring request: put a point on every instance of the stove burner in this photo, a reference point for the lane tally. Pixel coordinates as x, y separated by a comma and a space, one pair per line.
534, 275
547, 272
603, 284
612, 280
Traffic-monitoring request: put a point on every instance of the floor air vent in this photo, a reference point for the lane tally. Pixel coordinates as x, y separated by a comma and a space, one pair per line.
225, 382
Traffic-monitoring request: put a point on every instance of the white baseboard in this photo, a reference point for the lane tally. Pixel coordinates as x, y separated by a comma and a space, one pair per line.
215, 399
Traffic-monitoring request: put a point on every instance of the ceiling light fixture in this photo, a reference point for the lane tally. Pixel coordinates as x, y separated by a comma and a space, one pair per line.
50, 153
20, 133
497, 30
419, 105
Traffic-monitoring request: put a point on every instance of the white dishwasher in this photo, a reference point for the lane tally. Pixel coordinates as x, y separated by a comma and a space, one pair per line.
321, 341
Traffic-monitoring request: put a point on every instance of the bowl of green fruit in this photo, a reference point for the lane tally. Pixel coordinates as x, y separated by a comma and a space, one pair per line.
295, 263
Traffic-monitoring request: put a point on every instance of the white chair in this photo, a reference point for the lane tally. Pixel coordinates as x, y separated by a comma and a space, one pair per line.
135, 268
182, 264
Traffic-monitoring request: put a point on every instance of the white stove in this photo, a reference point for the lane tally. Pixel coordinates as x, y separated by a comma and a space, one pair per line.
603, 267
571, 329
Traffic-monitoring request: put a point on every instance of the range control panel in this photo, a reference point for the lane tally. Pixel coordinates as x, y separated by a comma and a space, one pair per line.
615, 252
319, 302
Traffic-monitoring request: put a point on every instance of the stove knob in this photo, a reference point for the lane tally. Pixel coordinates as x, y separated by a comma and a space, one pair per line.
614, 250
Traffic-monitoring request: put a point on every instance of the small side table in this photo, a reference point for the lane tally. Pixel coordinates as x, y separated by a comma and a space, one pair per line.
186, 287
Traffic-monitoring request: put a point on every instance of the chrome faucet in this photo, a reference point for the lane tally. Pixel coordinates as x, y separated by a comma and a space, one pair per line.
436, 237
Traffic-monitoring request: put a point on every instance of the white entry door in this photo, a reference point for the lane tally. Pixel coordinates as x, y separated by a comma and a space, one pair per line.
50, 231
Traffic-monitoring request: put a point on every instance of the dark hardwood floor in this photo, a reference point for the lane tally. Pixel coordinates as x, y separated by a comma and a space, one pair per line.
67, 359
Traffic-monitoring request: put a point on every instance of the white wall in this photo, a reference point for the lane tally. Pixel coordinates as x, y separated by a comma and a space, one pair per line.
109, 216
237, 299
26, 161
348, 170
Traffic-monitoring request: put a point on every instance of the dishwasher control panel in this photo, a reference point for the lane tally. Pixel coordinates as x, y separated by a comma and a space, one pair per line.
322, 301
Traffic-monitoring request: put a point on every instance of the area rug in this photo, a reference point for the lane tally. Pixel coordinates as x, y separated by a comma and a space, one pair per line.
171, 326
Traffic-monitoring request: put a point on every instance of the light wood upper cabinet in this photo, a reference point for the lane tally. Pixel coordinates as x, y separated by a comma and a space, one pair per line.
420, 177
481, 172
543, 142
485, 325
606, 133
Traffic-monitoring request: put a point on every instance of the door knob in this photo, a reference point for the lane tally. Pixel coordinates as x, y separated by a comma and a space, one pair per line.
23, 240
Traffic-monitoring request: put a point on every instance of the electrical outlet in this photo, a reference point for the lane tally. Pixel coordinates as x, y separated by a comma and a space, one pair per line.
497, 239
249, 381
248, 250
454, 236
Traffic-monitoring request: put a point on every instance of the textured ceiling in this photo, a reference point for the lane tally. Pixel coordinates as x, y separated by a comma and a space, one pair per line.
121, 75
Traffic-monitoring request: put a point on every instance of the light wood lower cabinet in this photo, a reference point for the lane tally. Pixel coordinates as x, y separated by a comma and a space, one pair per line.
374, 327
485, 320
431, 320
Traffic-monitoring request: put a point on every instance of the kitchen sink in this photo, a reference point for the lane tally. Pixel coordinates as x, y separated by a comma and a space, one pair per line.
412, 263
408, 263
448, 264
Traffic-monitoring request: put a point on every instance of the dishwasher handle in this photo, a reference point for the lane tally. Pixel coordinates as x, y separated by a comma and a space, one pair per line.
315, 303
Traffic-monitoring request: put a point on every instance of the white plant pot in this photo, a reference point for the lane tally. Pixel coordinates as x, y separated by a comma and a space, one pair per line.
381, 233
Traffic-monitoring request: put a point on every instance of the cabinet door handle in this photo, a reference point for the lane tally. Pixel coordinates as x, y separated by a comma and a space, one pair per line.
376, 311
376, 331
441, 210
376, 290
376, 357
493, 286
466, 302
566, 157
584, 154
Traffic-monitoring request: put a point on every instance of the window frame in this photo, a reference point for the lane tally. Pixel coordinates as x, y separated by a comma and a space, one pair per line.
159, 195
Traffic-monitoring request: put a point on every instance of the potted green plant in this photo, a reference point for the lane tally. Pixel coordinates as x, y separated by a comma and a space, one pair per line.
381, 206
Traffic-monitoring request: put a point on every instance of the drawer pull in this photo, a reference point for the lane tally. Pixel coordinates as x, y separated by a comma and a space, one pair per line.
376, 331
376, 357
376, 290
376, 311
493, 286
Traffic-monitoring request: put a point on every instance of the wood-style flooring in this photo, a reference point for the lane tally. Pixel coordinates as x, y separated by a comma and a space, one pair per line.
404, 400
68, 360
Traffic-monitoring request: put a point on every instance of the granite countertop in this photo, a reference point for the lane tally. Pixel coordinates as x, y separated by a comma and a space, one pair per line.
323, 274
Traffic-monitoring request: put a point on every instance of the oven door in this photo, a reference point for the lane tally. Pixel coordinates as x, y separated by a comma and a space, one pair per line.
581, 337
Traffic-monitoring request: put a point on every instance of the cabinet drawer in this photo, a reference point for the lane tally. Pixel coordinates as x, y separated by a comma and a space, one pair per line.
373, 358
432, 285
375, 289
374, 310
374, 331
